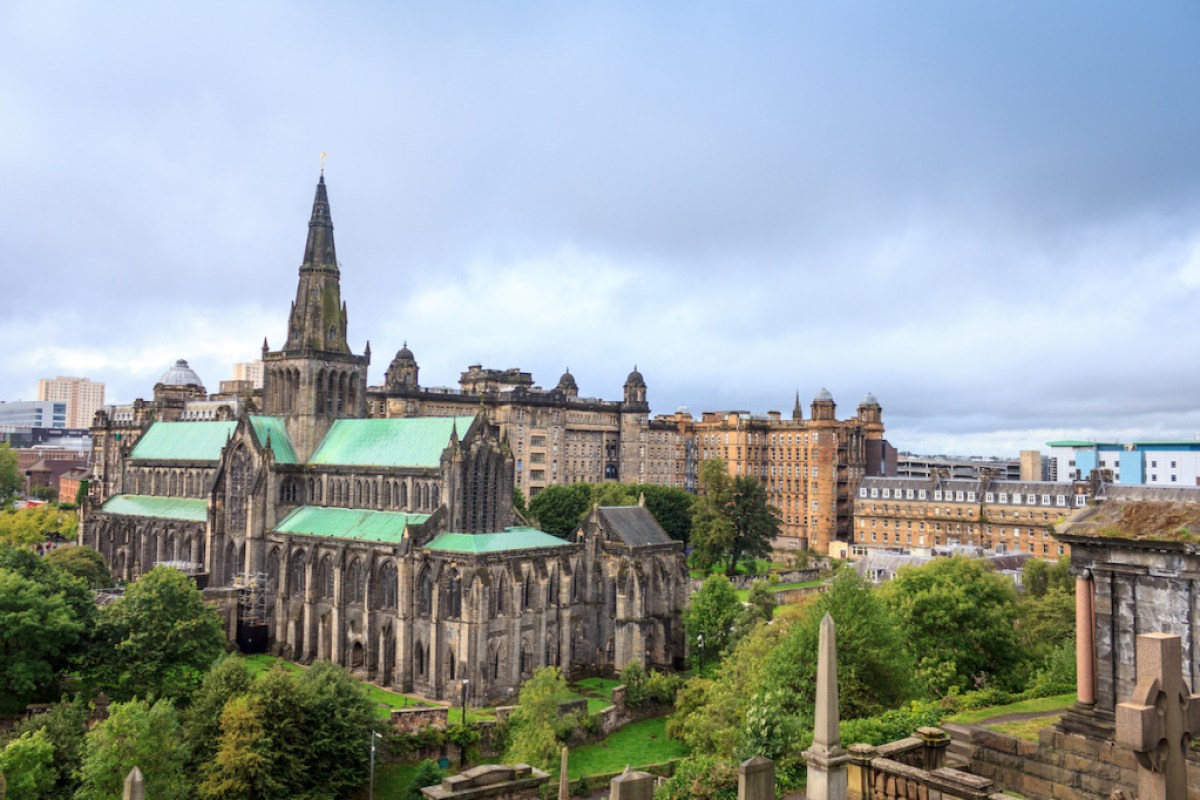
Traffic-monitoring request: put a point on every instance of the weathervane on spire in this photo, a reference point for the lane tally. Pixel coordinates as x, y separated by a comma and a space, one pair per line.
323, 157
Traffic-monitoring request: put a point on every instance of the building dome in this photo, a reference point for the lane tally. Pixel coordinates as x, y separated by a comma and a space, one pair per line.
180, 375
567, 381
869, 400
635, 378
404, 354
823, 396
683, 410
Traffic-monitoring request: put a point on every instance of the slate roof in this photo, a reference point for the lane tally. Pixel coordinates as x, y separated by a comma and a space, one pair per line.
411, 442
187, 509
508, 540
633, 525
349, 523
183, 441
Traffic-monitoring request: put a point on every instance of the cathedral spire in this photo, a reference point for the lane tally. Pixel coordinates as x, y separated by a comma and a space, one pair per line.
318, 317
319, 250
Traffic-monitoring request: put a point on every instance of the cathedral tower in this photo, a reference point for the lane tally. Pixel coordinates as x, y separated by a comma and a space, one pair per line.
315, 379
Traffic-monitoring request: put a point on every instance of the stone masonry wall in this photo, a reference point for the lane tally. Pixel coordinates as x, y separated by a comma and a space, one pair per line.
1060, 766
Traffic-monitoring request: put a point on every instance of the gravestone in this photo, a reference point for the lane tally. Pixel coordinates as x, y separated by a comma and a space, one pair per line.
135, 786
631, 785
1160, 719
756, 779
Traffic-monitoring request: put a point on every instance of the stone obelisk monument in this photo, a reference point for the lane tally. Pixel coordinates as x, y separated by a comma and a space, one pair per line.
827, 776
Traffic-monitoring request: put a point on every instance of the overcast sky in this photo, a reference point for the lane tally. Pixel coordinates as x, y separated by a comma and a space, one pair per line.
987, 214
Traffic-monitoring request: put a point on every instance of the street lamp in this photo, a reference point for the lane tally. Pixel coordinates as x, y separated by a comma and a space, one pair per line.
700, 647
371, 794
465, 683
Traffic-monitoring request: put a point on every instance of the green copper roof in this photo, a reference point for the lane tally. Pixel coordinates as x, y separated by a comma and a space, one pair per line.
416, 442
510, 539
349, 523
281, 443
183, 441
140, 505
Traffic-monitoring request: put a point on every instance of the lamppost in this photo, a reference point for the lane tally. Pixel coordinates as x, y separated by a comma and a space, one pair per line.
700, 647
371, 793
465, 683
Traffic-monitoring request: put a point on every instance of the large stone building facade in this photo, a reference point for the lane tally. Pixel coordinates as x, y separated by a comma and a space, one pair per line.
390, 544
809, 466
1000, 515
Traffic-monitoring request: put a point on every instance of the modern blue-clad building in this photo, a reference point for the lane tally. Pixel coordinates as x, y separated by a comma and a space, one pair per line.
1148, 463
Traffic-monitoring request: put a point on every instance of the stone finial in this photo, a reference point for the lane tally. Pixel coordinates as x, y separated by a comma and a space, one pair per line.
1159, 720
564, 782
135, 786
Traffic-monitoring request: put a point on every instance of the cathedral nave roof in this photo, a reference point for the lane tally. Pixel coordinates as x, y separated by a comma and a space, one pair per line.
393, 442
350, 523
509, 539
186, 509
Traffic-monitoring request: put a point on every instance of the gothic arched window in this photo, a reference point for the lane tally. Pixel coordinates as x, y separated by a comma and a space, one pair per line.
352, 591
386, 589
296, 573
425, 604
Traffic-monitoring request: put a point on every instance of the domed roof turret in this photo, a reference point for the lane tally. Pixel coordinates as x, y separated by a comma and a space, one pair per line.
869, 400
635, 378
567, 381
683, 411
404, 354
180, 375
823, 396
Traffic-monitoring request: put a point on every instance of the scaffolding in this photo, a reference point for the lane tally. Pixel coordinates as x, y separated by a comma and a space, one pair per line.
104, 597
254, 591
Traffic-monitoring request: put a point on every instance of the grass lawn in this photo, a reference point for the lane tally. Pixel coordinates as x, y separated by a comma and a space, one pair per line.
744, 594
597, 691
1049, 705
638, 745
1025, 729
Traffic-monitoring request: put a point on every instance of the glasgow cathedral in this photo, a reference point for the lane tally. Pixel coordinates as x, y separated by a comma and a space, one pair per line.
388, 545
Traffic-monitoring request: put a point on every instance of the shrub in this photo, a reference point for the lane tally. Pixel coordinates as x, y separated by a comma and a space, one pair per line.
700, 778
427, 774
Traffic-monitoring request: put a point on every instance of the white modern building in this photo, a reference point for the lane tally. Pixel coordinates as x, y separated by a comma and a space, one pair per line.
1149, 463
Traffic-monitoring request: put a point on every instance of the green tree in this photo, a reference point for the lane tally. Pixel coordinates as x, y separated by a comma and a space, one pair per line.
959, 618
136, 734
535, 724
732, 520
11, 481
874, 669
227, 679
29, 526
559, 509
82, 562
47, 493
760, 606
158, 640
82, 492
519, 501
25, 562
39, 633
239, 770
428, 773
27, 764
285, 721
710, 620
64, 726
339, 719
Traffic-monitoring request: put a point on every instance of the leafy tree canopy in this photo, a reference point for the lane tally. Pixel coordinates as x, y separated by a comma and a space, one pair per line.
732, 520
239, 769
959, 620
535, 724
11, 481
30, 526
136, 734
710, 621
82, 562
27, 764
874, 668
1039, 577
63, 726
558, 509
227, 679
158, 640
39, 632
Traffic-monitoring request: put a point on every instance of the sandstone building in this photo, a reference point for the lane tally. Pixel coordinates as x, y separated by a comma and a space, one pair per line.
82, 396
1006, 516
387, 544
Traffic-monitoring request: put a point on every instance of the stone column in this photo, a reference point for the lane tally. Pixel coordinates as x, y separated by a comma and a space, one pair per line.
827, 777
756, 779
1085, 640
564, 782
